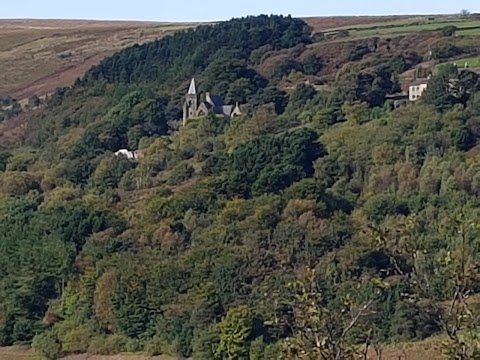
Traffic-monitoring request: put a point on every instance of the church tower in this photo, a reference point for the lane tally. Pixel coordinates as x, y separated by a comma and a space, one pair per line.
190, 107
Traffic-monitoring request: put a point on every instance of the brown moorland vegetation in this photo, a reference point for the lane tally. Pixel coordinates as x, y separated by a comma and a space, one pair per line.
37, 56
331, 22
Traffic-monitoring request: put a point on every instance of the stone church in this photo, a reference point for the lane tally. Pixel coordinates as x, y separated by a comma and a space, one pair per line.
209, 104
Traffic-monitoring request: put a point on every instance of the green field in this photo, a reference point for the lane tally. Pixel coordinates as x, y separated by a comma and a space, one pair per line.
471, 32
406, 26
473, 62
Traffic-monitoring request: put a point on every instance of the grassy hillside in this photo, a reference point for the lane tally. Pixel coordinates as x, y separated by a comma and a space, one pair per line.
385, 26
37, 56
323, 222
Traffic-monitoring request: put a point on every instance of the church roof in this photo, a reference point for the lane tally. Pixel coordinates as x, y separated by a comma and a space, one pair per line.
215, 100
207, 105
193, 89
227, 110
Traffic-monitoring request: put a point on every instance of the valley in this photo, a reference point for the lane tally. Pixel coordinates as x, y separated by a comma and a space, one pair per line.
261, 188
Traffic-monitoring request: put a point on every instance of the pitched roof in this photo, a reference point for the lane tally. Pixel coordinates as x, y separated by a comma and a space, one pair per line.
227, 110
193, 89
420, 82
205, 104
215, 100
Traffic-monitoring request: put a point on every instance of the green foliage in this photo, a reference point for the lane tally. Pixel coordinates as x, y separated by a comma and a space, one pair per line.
371, 86
312, 65
268, 163
439, 92
110, 171
74, 338
131, 309
181, 173
270, 95
449, 30
235, 334
18, 183
238, 36
205, 342
446, 51
358, 52
257, 349
356, 113
380, 206
283, 68
108, 345
205, 247
47, 345
301, 95
158, 346
38, 251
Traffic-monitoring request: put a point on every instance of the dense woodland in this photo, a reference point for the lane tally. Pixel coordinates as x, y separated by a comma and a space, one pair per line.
319, 224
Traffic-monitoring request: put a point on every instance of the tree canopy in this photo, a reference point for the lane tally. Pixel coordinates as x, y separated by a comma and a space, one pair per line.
319, 223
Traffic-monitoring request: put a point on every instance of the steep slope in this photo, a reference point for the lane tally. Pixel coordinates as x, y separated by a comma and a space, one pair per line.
320, 222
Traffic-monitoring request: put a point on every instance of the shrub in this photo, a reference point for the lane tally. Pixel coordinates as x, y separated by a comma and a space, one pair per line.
283, 68
159, 346
205, 342
18, 183
24, 330
108, 345
359, 52
47, 345
449, 30
312, 65
74, 338
21, 161
446, 52
257, 349
181, 173
379, 206
134, 346
110, 171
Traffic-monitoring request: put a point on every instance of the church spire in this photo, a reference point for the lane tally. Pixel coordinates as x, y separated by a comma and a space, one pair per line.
193, 89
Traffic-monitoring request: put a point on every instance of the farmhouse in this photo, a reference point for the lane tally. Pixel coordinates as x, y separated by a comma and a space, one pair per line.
416, 88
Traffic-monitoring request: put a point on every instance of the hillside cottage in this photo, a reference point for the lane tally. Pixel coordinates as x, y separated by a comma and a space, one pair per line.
417, 88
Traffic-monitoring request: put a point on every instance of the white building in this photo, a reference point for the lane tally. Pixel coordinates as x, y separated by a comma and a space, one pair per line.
133, 155
416, 89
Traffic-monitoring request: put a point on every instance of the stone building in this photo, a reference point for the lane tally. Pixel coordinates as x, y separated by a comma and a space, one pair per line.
197, 106
416, 88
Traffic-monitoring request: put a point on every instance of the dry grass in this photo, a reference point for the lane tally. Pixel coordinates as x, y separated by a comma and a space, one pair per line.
37, 56
329, 23
425, 350
16, 353
25, 353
